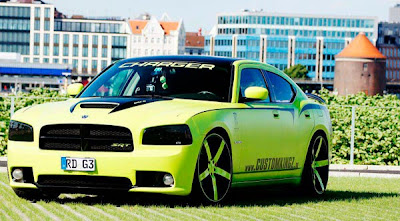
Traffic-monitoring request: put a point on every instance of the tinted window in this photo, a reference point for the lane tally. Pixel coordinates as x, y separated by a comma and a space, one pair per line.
179, 79
282, 90
251, 78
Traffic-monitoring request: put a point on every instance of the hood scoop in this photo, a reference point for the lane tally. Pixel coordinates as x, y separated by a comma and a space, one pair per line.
116, 104
99, 105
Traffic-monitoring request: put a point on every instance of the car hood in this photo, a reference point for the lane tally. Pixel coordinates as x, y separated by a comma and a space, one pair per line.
142, 112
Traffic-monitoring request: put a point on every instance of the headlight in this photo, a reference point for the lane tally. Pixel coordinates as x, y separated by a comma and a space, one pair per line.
20, 131
167, 135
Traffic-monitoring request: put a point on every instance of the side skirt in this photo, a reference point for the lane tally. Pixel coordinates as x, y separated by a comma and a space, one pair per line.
267, 182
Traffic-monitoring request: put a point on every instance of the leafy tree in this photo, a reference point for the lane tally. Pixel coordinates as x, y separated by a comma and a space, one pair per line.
297, 71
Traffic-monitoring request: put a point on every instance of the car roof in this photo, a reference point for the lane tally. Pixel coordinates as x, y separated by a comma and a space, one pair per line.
206, 59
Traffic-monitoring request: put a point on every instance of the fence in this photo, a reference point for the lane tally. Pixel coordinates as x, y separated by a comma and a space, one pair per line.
361, 134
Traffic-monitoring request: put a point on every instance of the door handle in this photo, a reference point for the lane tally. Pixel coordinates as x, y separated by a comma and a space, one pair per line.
275, 113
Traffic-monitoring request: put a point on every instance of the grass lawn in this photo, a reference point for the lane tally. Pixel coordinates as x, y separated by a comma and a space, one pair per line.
346, 199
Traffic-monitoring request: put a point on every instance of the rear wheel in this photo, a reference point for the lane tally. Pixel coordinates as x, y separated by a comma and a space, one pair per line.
213, 174
316, 168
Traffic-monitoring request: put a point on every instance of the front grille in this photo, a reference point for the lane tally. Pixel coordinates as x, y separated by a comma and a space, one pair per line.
86, 137
83, 181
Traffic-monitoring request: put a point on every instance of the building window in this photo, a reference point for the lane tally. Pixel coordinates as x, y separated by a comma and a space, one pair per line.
75, 52
105, 40
55, 60
36, 37
56, 39
65, 51
76, 39
37, 25
104, 52
365, 67
66, 39
85, 52
94, 64
85, 39
65, 61
75, 63
94, 52
47, 12
45, 60
46, 38
36, 50
84, 63
46, 50
95, 40
47, 25
103, 64
56, 50
37, 12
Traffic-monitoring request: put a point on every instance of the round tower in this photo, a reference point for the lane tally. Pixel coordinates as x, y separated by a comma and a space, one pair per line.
360, 67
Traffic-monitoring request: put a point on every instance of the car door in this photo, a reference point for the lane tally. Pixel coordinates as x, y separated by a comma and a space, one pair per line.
262, 125
297, 125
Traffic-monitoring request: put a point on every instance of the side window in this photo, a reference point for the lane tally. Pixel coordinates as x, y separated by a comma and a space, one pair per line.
251, 77
282, 90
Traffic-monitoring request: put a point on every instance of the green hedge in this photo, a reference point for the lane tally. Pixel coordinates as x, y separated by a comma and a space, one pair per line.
37, 96
377, 130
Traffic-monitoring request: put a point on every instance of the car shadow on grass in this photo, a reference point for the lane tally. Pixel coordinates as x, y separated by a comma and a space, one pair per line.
238, 198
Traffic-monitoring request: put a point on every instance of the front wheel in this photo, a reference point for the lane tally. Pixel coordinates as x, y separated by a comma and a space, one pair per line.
213, 174
316, 168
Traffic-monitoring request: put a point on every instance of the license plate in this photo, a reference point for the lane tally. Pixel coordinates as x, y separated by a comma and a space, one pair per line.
78, 164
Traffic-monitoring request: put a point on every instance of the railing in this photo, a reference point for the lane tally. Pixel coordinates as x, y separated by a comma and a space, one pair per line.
359, 132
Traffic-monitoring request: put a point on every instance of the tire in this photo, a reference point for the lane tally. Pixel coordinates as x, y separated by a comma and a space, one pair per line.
316, 168
213, 174
35, 195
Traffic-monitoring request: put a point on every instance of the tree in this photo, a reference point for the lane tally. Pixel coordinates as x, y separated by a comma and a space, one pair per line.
297, 71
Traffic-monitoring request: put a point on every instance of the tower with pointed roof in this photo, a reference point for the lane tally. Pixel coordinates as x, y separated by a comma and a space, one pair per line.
360, 67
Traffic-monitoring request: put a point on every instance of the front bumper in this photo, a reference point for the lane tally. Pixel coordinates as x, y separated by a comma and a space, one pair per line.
179, 161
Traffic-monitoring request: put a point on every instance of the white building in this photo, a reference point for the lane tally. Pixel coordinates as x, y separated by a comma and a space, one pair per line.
156, 37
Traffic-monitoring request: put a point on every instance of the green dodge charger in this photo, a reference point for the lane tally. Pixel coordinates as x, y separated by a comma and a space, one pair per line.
175, 125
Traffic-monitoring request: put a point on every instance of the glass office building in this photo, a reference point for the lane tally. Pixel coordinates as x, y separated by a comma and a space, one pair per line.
284, 40
15, 29
41, 34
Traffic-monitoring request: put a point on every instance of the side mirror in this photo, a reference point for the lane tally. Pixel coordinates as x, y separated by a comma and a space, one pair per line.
256, 93
74, 89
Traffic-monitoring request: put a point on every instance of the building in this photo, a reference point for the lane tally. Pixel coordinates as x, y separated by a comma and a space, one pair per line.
42, 34
156, 37
284, 40
360, 67
18, 76
394, 14
194, 44
389, 44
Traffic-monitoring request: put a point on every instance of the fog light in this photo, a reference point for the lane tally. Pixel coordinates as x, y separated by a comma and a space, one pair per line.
18, 174
168, 179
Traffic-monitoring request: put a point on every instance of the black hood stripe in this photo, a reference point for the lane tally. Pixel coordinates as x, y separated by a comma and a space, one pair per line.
116, 104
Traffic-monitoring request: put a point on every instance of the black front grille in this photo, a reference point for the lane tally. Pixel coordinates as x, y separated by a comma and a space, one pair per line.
83, 181
86, 137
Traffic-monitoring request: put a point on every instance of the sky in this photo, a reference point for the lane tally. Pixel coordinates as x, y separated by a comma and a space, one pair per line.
202, 13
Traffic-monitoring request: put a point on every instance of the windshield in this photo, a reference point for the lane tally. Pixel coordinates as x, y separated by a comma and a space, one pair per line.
176, 79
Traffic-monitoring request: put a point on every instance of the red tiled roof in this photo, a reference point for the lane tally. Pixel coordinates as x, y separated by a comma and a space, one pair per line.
194, 40
138, 25
361, 47
169, 26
